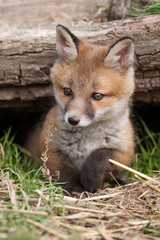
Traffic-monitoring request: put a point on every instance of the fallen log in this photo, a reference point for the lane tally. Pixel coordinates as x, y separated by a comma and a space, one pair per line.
27, 53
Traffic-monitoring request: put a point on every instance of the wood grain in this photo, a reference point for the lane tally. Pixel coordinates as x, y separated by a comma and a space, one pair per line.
27, 53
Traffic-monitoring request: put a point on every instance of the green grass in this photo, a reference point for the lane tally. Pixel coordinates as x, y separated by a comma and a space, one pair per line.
15, 227
27, 178
22, 235
150, 230
148, 10
147, 157
17, 162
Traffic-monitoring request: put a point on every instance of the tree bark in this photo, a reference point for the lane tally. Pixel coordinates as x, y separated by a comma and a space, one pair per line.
26, 55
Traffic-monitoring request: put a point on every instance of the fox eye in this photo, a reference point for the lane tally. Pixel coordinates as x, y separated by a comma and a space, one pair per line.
67, 91
97, 96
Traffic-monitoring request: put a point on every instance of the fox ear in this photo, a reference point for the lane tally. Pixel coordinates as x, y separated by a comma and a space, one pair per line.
66, 44
120, 54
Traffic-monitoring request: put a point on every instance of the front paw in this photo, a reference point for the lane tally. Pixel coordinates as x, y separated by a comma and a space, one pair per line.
94, 169
91, 181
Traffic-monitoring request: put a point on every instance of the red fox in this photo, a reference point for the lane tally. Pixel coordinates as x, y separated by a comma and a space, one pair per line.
93, 86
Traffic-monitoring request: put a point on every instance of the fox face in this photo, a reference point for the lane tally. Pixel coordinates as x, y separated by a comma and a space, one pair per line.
92, 83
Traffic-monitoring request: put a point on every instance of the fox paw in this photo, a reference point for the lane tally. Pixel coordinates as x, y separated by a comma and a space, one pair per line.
90, 183
94, 170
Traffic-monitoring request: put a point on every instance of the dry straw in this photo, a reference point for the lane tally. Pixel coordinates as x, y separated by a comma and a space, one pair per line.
122, 212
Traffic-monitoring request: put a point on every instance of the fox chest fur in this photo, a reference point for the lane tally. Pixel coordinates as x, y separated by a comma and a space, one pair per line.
78, 143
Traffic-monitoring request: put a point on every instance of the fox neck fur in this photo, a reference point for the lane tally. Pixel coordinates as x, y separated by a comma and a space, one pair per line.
78, 143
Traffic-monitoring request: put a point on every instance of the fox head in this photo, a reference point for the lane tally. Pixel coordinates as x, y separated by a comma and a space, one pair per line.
92, 83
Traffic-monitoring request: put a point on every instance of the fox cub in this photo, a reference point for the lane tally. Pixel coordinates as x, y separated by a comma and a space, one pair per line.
93, 86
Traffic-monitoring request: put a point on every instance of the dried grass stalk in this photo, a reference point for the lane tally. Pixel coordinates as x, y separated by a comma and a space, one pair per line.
132, 170
47, 229
38, 213
44, 156
11, 191
2, 151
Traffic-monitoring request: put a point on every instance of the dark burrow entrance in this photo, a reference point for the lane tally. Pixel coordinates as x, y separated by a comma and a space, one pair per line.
23, 122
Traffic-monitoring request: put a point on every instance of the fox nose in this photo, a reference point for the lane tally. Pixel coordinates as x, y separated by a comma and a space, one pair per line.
73, 121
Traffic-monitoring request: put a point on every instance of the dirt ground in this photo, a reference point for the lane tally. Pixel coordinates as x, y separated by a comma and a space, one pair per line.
20, 12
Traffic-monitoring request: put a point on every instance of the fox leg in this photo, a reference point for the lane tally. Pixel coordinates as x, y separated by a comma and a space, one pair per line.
93, 172
68, 175
97, 167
